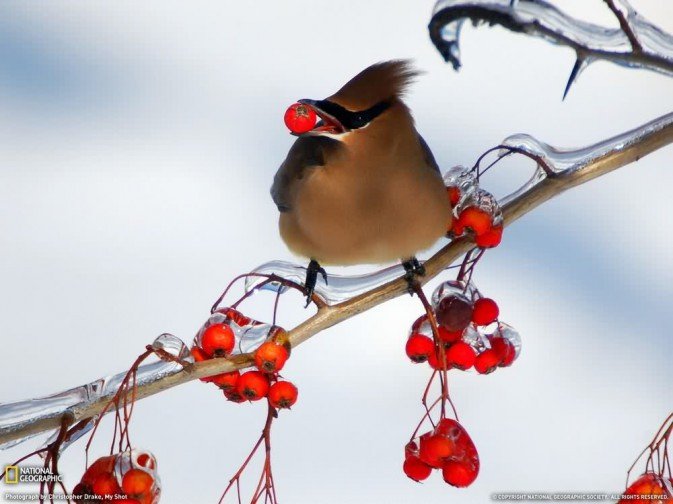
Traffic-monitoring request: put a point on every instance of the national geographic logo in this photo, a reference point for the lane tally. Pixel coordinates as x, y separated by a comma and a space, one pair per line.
29, 474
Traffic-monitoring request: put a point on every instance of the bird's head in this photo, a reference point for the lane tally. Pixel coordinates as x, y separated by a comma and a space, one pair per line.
362, 99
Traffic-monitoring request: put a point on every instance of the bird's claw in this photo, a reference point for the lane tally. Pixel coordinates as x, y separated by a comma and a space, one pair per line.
413, 269
312, 278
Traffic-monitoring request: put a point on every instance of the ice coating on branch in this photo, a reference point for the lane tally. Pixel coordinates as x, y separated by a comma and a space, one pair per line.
20, 415
339, 287
452, 287
464, 180
249, 333
484, 200
557, 161
653, 49
139, 459
510, 334
174, 346
71, 439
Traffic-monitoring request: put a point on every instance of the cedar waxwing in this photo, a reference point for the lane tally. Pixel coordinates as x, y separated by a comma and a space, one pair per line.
362, 187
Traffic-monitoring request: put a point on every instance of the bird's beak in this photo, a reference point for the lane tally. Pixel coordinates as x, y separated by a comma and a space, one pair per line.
328, 123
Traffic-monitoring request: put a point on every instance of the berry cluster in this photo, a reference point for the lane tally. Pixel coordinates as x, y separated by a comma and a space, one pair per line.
474, 209
463, 315
447, 447
129, 477
460, 330
218, 338
648, 486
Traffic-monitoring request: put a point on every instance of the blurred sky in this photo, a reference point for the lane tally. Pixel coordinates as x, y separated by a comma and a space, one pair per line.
138, 141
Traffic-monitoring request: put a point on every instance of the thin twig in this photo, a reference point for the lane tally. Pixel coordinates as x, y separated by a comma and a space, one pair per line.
626, 27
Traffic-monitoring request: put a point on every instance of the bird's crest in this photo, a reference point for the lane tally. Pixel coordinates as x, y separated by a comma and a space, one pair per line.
379, 82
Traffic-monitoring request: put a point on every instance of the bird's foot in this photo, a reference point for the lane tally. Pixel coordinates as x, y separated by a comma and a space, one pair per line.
413, 269
312, 278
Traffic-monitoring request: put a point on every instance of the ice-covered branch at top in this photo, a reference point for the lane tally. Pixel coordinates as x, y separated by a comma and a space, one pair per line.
636, 43
344, 297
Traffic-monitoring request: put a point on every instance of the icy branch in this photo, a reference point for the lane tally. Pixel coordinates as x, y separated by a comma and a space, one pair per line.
637, 43
558, 170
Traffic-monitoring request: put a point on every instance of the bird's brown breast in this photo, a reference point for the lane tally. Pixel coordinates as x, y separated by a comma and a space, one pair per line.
377, 201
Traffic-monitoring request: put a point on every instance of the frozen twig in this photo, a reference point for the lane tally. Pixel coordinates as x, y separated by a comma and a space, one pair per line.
637, 43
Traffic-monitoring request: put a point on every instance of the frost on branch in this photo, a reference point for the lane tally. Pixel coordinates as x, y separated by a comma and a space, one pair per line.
637, 43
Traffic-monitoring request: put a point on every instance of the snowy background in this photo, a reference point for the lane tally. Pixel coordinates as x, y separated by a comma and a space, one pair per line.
138, 141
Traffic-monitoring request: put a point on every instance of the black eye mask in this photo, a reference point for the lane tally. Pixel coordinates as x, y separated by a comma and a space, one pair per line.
353, 120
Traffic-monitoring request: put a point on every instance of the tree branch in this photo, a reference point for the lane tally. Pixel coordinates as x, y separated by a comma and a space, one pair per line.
636, 44
563, 169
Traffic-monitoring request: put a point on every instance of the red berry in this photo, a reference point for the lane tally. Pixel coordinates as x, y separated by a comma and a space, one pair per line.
252, 385
459, 474
80, 490
434, 449
418, 323
218, 340
226, 381
419, 347
106, 484
457, 228
461, 355
476, 219
233, 395
446, 336
299, 118
199, 356
137, 482
146, 460
491, 238
100, 466
283, 394
485, 312
504, 349
435, 361
487, 361
649, 484
416, 469
270, 357
454, 313
454, 195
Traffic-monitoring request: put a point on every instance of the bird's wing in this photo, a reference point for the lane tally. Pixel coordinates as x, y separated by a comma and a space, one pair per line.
307, 152
427, 154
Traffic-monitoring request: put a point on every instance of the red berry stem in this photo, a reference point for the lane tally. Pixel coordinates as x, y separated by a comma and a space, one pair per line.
265, 487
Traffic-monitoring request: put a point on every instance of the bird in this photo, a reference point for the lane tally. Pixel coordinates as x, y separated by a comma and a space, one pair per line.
362, 186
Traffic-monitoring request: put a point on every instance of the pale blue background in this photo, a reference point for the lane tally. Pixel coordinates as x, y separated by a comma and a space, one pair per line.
138, 141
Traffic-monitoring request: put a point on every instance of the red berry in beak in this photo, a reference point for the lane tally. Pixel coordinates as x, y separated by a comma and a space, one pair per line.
299, 118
